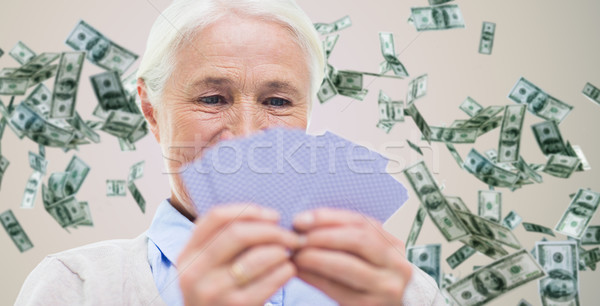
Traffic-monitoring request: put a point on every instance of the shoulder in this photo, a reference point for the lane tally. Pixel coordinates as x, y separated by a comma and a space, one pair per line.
104, 268
422, 290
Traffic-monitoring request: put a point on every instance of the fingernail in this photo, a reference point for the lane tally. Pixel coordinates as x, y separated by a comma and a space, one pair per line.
305, 219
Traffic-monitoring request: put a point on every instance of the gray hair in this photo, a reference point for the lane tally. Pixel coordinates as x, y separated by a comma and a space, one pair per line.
184, 17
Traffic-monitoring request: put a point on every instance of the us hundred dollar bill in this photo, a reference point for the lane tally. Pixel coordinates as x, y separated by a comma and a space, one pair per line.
390, 111
417, 88
31, 190
427, 258
440, 17
78, 171
561, 166
457, 203
487, 229
454, 135
328, 28
115, 188
591, 235
576, 218
486, 41
559, 259
510, 133
35, 65
490, 205
531, 227
415, 229
386, 42
496, 279
539, 102
548, 137
434, 202
592, 92
13, 86
471, 107
412, 111
483, 117
487, 172
137, 195
99, 49
109, 90
458, 257
512, 220
66, 84
327, 90
21, 53
15, 231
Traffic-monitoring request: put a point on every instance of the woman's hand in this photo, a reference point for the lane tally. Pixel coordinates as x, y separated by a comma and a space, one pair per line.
351, 258
246, 237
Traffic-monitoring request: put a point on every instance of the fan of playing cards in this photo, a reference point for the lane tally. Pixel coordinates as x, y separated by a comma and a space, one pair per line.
291, 171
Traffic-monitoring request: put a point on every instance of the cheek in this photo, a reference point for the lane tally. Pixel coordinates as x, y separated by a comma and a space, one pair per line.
185, 133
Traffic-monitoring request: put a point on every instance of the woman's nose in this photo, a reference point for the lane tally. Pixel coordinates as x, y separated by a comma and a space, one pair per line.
244, 122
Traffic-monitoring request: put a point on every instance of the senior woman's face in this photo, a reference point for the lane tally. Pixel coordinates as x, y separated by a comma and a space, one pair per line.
234, 77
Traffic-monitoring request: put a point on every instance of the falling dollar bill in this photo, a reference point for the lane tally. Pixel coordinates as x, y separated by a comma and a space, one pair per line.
121, 123
414, 147
438, 2
136, 171
78, 171
496, 279
548, 137
488, 230
412, 111
43, 74
13, 86
579, 213
99, 49
561, 166
590, 258
3, 166
137, 195
15, 231
31, 190
66, 84
326, 91
115, 188
510, 133
455, 154
576, 151
415, 229
109, 90
441, 17
471, 107
490, 205
417, 88
487, 172
559, 259
34, 66
386, 41
453, 135
539, 102
530, 227
390, 111
592, 92
457, 203
21, 53
385, 126
512, 220
483, 116
37, 162
427, 258
68, 212
328, 28
329, 44
591, 235
525, 168
486, 41
434, 202
458, 257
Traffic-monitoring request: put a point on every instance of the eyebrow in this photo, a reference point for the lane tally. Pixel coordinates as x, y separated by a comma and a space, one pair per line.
272, 85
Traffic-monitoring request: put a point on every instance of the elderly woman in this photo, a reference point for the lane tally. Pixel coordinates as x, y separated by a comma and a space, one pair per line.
214, 70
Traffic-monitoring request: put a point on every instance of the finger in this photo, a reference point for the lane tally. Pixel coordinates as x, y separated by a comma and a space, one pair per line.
241, 235
258, 291
363, 241
341, 267
342, 294
210, 223
329, 217
258, 260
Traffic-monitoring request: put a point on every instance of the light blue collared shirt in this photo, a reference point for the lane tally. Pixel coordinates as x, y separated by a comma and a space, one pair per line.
169, 233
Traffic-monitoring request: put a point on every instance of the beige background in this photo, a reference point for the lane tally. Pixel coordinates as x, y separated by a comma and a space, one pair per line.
552, 43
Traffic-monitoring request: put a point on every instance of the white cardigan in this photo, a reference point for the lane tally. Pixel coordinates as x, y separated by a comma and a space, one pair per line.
117, 272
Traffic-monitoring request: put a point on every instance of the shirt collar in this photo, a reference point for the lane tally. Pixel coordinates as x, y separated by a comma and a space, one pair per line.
170, 230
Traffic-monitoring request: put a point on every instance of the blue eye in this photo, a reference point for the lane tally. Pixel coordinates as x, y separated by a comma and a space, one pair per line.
279, 102
210, 100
